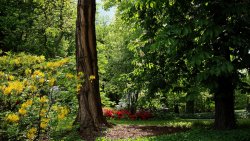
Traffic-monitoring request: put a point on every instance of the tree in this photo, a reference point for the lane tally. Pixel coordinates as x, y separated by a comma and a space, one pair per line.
38, 27
207, 38
90, 114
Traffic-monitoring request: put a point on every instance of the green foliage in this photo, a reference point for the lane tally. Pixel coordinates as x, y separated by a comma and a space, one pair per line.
39, 27
184, 48
37, 96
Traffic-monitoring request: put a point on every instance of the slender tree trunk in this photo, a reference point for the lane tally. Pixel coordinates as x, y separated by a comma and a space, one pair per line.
90, 114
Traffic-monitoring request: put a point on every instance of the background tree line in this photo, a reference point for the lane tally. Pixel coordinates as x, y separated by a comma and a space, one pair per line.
41, 27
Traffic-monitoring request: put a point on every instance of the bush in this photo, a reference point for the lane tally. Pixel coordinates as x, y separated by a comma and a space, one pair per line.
124, 114
36, 95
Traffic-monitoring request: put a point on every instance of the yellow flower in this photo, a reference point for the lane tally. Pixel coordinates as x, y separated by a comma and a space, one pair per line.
91, 77
63, 111
38, 73
7, 90
69, 75
44, 99
12, 118
11, 77
61, 116
45, 120
15, 85
25, 82
27, 71
22, 111
41, 80
17, 61
78, 87
52, 81
55, 108
43, 112
33, 88
79, 75
41, 59
27, 103
44, 123
57, 64
31, 133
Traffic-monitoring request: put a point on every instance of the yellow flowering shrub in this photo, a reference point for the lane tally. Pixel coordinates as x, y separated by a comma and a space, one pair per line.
31, 93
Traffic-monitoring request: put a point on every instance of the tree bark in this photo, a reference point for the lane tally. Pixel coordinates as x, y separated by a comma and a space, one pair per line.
190, 106
224, 93
90, 115
224, 104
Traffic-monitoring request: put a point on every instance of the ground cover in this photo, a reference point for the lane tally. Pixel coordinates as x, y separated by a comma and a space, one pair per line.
161, 130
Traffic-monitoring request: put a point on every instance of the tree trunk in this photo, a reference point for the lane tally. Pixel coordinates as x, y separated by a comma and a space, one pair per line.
224, 93
90, 114
224, 104
190, 106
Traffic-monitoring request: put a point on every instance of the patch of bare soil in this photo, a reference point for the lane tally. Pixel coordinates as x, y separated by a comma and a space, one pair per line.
134, 131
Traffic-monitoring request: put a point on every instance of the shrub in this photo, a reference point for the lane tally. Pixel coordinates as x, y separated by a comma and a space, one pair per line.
35, 95
125, 114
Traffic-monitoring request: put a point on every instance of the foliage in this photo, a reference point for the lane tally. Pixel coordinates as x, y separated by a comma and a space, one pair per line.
124, 114
40, 27
37, 96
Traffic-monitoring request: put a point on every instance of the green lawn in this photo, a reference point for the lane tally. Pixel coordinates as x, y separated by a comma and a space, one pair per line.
200, 135
200, 131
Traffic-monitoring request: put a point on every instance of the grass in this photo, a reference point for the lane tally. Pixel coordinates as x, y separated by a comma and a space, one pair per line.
200, 135
173, 123
200, 131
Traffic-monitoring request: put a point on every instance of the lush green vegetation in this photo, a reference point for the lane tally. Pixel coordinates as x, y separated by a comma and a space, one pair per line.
172, 63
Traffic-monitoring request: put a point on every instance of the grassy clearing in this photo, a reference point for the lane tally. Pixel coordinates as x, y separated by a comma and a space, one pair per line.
199, 135
200, 131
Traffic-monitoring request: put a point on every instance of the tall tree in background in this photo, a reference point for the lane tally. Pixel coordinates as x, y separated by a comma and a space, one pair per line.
90, 114
208, 38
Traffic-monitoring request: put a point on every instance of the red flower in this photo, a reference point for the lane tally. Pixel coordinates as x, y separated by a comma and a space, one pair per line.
143, 115
132, 117
108, 113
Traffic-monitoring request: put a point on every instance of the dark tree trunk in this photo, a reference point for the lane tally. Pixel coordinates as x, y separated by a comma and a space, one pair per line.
176, 109
224, 93
224, 104
190, 106
90, 114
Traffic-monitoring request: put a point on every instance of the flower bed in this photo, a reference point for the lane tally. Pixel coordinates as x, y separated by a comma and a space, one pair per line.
125, 114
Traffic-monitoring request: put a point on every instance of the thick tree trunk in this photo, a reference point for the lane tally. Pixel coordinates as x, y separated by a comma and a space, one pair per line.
224, 104
90, 114
224, 94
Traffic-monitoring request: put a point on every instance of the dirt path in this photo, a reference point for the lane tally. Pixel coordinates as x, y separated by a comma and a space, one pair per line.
134, 131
